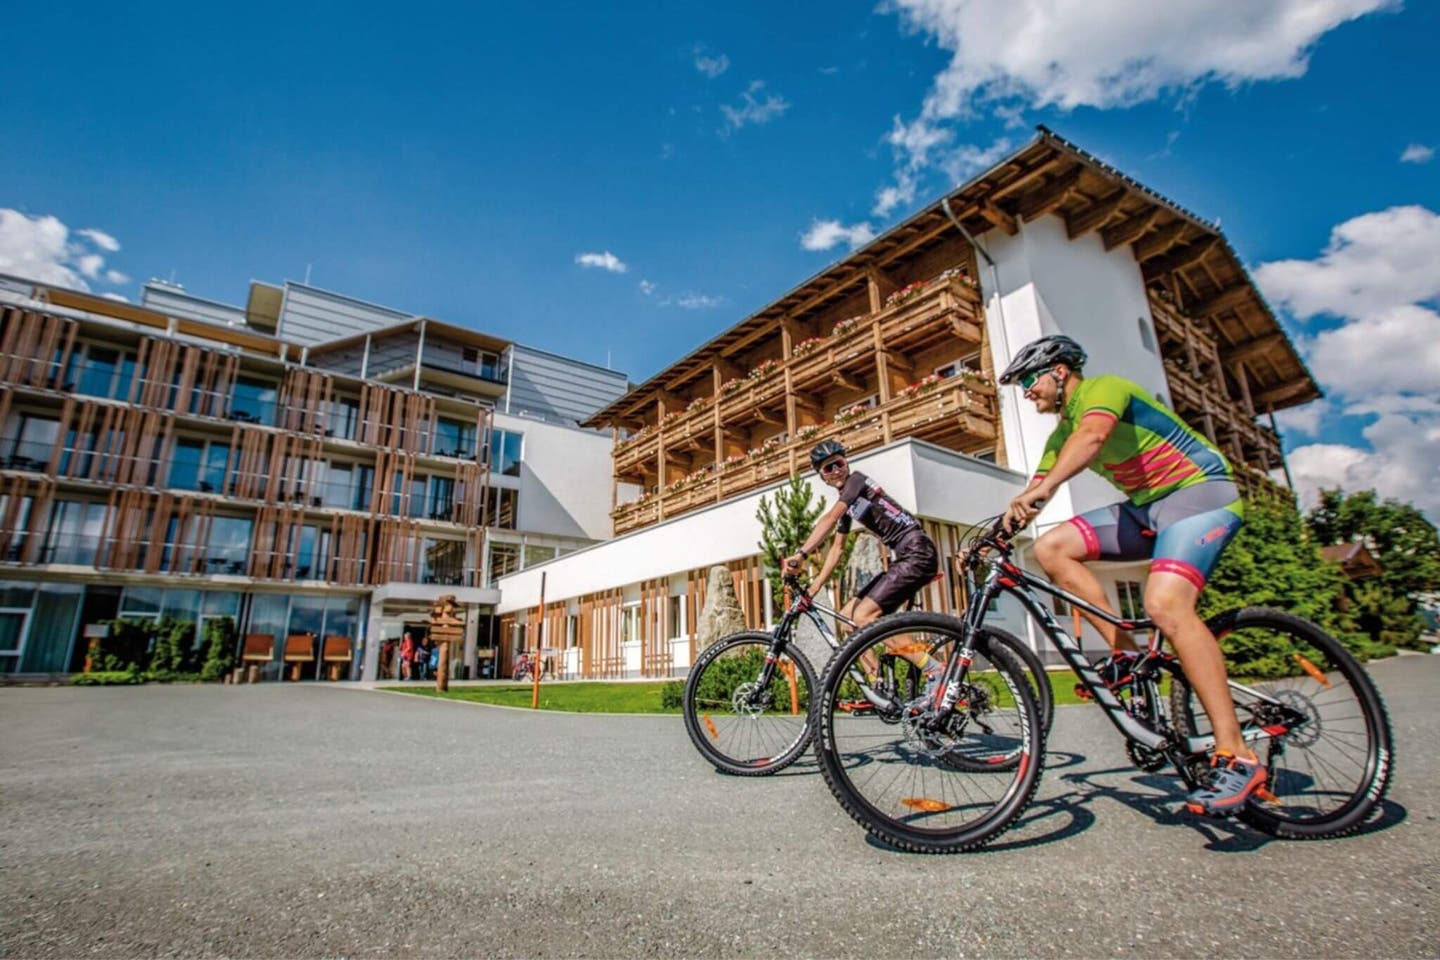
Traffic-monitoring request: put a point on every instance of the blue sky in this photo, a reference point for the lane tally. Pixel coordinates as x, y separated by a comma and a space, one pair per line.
461, 164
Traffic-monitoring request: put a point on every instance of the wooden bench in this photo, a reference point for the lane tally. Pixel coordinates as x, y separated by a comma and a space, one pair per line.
299, 650
335, 655
259, 649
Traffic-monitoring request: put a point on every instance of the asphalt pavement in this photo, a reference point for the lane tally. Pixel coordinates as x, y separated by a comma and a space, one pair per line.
315, 820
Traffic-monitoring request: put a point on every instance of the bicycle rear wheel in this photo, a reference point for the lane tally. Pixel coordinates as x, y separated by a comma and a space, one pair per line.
1328, 747
941, 790
740, 728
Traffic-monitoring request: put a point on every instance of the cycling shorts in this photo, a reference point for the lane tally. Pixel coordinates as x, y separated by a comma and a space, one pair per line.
1181, 533
916, 563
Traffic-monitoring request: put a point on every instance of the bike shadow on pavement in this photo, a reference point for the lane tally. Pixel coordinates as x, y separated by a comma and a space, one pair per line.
1164, 803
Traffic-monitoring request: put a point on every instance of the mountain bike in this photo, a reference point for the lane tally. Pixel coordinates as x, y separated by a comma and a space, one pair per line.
746, 701
1305, 706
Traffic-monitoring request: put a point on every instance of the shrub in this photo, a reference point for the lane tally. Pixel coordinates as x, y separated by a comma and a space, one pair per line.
106, 678
126, 648
672, 695
219, 648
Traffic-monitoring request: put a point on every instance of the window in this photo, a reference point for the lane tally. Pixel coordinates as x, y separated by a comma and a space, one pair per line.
442, 498
630, 622
969, 362
537, 554
1147, 339
252, 401
454, 439
504, 452
676, 617
482, 362
33, 444
1132, 605
15, 602
572, 631
503, 508
97, 372
142, 602
212, 477
186, 465
504, 559
229, 544
444, 562
342, 417
74, 534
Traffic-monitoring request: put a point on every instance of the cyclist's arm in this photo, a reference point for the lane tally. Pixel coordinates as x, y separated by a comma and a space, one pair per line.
822, 529
832, 560
1079, 451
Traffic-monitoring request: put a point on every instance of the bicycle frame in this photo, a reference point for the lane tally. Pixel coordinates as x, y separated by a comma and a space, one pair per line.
1005, 577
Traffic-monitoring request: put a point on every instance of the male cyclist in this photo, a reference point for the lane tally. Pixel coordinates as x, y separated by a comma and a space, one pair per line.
916, 560
1182, 509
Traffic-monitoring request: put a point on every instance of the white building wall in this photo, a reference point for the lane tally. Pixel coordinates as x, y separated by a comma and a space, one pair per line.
948, 486
1045, 283
564, 479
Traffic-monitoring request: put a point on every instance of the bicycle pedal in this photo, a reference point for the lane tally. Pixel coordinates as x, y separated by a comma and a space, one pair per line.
855, 706
1265, 796
1083, 692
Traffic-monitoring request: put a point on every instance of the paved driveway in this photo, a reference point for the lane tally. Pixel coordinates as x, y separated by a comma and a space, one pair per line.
308, 820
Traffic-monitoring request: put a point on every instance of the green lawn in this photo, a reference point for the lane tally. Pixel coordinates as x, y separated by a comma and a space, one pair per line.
601, 697
591, 697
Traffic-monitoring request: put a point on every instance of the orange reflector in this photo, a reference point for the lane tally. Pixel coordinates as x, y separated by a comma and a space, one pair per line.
1311, 669
926, 805
710, 725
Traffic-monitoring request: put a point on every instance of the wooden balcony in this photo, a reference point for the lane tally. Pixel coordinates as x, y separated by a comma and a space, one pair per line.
957, 412
945, 311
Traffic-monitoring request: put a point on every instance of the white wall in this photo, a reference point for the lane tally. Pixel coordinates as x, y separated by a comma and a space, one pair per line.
1050, 284
950, 486
564, 479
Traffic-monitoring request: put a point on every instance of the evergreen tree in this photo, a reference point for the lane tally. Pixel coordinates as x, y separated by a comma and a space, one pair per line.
1405, 544
784, 527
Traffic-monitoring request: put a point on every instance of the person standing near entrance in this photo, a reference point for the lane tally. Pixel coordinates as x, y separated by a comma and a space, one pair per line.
1181, 508
407, 656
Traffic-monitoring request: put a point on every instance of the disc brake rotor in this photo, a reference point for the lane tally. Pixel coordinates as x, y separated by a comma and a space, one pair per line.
744, 701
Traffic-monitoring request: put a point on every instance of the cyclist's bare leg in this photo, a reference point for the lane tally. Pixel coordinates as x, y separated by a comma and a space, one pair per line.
855, 609
867, 611
1170, 602
1061, 553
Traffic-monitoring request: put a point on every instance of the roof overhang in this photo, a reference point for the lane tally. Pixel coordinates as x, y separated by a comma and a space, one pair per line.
1184, 260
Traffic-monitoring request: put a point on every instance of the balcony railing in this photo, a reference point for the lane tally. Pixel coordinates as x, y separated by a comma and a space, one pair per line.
960, 411
944, 311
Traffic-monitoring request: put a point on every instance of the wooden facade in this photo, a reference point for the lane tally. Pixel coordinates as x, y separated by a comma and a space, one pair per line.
119, 449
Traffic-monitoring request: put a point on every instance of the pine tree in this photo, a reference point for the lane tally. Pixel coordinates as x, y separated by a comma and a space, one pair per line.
784, 527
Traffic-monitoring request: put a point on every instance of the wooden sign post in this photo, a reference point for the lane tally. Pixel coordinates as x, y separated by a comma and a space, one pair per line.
445, 628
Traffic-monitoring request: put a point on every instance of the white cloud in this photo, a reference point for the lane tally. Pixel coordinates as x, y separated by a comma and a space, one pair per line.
646, 287
1303, 420
1009, 55
100, 238
1404, 463
604, 261
1381, 361
824, 234
753, 109
1114, 54
693, 301
1373, 262
712, 67
1417, 153
44, 249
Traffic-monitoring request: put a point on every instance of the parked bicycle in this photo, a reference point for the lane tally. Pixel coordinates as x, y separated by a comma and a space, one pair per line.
524, 665
746, 701
1306, 706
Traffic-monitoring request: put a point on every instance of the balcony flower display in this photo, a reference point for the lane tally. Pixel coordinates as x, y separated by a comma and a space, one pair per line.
811, 432
912, 290
730, 386
971, 376
635, 437
762, 370
696, 404
774, 443
807, 346
923, 385
845, 327
852, 413
734, 460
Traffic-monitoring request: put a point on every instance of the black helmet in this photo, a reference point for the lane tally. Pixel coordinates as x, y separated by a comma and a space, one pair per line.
824, 450
1043, 353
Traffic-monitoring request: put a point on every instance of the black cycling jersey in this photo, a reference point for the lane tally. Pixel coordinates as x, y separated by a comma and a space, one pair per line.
866, 502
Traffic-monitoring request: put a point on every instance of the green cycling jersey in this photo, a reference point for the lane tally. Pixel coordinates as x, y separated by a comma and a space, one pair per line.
1150, 452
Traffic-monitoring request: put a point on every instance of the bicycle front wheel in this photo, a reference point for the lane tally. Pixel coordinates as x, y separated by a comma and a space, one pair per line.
923, 786
1326, 744
740, 727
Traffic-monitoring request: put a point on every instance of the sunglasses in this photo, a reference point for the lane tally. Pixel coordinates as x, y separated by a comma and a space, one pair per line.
1028, 381
834, 466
